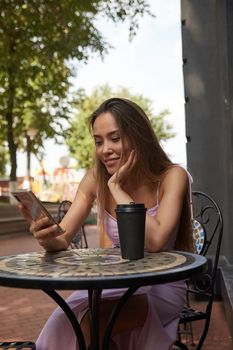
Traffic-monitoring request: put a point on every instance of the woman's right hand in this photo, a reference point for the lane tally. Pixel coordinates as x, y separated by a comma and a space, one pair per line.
122, 173
42, 229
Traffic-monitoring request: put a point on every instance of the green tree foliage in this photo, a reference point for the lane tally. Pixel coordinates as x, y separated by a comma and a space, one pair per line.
38, 38
79, 139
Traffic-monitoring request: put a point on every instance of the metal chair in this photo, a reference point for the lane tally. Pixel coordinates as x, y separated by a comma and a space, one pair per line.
80, 239
207, 215
26, 345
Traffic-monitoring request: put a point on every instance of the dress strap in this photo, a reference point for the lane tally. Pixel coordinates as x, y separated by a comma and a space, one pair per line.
190, 193
157, 194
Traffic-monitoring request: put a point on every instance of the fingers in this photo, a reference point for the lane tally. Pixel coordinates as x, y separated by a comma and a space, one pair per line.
47, 233
42, 229
132, 159
129, 164
24, 212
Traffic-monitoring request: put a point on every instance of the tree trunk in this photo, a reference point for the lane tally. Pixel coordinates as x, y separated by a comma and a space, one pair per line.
10, 134
12, 187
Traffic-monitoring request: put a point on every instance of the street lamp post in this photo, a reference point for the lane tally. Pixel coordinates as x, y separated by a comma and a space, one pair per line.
31, 133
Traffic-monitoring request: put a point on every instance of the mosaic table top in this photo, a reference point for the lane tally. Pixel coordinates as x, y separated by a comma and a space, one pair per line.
82, 267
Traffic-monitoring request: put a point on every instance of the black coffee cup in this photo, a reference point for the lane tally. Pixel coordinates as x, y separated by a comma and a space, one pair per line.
131, 227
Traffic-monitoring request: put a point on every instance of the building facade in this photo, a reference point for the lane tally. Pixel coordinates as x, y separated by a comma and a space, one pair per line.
207, 43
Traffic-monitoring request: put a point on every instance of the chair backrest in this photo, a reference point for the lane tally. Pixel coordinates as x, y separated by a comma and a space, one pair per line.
208, 214
63, 208
77, 241
207, 226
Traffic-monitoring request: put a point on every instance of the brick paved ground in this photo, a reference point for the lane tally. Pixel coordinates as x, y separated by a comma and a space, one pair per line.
23, 312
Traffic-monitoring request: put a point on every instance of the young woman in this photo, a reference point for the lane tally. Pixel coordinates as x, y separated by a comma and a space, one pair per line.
130, 167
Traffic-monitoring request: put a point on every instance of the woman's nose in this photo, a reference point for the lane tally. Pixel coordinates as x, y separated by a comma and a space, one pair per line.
107, 147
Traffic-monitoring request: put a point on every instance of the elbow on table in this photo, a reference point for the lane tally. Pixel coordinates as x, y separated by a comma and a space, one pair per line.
153, 246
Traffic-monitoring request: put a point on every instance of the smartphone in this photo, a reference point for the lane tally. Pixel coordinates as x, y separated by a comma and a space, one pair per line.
34, 206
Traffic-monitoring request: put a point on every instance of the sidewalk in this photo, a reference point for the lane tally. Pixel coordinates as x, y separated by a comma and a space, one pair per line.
23, 312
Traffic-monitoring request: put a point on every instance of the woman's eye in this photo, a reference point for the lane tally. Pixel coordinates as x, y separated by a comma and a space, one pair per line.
115, 139
97, 142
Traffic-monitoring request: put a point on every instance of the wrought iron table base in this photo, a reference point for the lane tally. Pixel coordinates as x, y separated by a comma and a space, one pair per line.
94, 298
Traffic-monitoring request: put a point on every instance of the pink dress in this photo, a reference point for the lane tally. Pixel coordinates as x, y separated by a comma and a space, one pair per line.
165, 303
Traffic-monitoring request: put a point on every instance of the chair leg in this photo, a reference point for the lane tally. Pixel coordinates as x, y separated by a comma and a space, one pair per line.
190, 323
186, 330
191, 334
203, 336
206, 326
84, 236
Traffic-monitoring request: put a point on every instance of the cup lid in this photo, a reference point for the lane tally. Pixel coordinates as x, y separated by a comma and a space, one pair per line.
130, 206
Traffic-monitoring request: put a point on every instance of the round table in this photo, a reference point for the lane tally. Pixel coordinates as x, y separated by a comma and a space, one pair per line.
94, 270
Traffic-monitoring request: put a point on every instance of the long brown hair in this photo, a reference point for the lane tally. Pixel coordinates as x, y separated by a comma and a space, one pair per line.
152, 161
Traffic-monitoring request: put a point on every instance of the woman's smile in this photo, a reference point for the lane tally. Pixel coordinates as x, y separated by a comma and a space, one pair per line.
111, 161
112, 164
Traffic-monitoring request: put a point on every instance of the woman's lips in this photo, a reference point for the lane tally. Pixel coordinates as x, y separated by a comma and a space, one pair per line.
110, 162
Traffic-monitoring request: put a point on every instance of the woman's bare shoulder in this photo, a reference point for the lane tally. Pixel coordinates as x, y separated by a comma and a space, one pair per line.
88, 184
177, 170
175, 176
